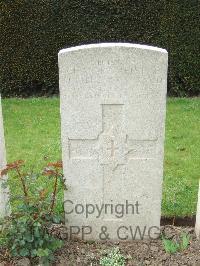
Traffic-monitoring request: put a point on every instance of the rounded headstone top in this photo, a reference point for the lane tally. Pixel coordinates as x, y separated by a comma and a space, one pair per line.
112, 45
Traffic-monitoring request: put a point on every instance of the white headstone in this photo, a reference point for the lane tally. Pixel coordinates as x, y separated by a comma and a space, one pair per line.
113, 99
4, 196
197, 224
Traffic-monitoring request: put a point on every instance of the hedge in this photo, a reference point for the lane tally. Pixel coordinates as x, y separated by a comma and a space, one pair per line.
32, 33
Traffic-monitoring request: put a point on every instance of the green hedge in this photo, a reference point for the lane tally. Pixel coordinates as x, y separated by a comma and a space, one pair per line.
33, 31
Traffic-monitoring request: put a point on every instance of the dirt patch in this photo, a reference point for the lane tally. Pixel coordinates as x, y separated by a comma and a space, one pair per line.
179, 221
137, 253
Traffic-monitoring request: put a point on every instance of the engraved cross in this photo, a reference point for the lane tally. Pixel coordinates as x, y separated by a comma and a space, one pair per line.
112, 147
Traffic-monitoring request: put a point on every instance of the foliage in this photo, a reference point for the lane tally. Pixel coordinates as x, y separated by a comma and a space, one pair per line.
172, 246
26, 230
114, 258
34, 31
185, 241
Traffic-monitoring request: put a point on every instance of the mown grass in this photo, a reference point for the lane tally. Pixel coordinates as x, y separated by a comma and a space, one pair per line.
32, 131
182, 157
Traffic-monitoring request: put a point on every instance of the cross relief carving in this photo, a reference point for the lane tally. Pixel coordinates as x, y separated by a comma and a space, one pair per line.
112, 147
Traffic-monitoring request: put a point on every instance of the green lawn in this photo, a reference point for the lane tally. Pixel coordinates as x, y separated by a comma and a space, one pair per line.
32, 131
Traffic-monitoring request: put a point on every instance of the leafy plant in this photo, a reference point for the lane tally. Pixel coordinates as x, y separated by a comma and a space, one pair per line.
172, 246
114, 258
26, 231
185, 241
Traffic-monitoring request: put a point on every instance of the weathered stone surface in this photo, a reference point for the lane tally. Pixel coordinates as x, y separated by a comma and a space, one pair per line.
112, 114
4, 206
197, 225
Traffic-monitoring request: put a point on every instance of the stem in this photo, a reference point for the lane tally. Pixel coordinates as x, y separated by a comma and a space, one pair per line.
23, 184
54, 193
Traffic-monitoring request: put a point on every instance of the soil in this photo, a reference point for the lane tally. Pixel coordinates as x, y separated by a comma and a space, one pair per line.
137, 253
179, 221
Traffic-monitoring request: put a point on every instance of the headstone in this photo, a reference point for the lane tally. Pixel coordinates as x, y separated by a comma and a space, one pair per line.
113, 99
197, 224
4, 195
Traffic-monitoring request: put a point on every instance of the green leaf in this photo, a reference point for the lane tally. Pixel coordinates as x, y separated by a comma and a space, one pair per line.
29, 237
56, 244
56, 219
36, 232
24, 252
185, 241
14, 252
42, 252
37, 224
22, 243
40, 242
33, 253
170, 246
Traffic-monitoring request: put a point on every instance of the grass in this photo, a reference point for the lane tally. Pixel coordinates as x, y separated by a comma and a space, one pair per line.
32, 131
182, 156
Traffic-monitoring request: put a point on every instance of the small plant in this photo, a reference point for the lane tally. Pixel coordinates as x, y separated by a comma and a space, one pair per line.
114, 258
25, 232
185, 241
172, 246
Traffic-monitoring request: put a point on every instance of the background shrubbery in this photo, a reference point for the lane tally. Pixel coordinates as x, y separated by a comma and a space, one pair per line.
32, 33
